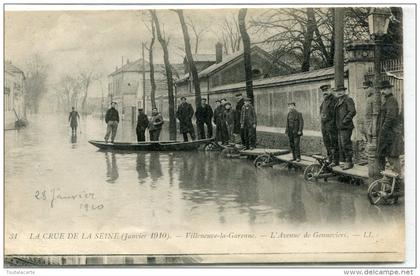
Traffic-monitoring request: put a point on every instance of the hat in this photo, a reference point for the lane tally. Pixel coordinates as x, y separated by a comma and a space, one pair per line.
291, 103
203, 99
223, 99
325, 87
238, 94
217, 101
140, 109
247, 99
340, 89
183, 98
385, 84
113, 102
228, 103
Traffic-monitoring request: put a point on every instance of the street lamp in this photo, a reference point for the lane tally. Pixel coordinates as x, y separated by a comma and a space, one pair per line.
378, 26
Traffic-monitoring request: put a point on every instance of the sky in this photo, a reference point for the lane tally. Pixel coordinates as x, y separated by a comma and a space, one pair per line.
69, 41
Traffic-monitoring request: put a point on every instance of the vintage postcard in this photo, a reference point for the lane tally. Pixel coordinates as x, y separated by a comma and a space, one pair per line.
139, 135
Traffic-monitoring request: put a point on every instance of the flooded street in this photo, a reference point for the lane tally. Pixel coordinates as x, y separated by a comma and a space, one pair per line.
55, 182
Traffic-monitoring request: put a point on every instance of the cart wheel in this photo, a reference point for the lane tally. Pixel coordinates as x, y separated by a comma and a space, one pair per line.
311, 171
378, 191
211, 147
262, 161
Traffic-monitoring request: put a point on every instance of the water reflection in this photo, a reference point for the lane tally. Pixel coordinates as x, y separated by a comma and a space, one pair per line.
155, 168
73, 140
141, 169
111, 167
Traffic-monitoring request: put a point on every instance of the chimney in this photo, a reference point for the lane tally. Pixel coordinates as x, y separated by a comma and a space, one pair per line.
219, 52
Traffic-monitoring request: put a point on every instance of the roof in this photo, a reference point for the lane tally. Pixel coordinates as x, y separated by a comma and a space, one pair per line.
9, 67
325, 73
137, 66
226, 61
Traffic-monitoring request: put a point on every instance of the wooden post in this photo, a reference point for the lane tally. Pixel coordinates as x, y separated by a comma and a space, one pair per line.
339, 48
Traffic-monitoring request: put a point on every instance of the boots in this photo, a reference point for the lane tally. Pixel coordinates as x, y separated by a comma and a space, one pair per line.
348, 165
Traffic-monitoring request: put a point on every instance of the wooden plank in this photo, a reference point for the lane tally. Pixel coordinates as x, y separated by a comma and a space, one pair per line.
260, 151
304, 162
356, 171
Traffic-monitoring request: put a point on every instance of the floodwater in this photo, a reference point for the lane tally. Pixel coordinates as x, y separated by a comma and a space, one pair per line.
62, 181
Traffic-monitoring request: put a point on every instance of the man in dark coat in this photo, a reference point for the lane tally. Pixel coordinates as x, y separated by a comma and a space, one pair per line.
142, 124
112, 119
229, 120
73, 119
344, 113
238, 109
249, 124
221, 129
204, 114
388, 127
184, 114
294, 130
155, 125
328, 127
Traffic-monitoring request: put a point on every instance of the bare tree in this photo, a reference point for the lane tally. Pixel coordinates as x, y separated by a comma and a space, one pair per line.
151, 63
229, 35
247, 54
197, 31
35, 82
164, 43
85, 78
193, 69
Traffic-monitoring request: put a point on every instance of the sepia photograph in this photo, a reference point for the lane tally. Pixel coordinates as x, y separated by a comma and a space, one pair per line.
206, 135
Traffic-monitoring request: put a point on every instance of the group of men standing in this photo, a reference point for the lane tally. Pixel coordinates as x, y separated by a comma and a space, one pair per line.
229, 122
337, 111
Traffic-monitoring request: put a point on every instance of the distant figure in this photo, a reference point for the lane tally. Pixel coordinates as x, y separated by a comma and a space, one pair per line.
249, 124
344, 113
389, 132
368, 123
328, 126
142, 124
294, 128
155, 125
229, 120
184, 114
238, 109
221, 130
73, 119
204, 114
112, 119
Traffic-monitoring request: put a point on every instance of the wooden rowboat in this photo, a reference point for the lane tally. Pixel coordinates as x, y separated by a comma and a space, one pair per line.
152, 145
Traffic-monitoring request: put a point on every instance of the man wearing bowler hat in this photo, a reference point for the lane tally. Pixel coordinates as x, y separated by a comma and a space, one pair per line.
344, 112
294, 130
328, 127
389, 134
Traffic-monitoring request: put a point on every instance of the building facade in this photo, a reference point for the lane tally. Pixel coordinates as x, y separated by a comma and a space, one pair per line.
14, 96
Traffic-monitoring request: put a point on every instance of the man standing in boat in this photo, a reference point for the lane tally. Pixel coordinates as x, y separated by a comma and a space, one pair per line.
142, 124
204, 114
112, 119
155, 125
73, 119
221, 129
184, 114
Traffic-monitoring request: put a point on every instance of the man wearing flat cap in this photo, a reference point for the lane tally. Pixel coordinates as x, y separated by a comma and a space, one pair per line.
389, 134
204, 114
142, 124
345, 110
112, 119
328, 127
249, 124
294, 130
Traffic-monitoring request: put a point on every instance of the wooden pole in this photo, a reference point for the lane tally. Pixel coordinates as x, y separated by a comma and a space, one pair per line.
339, 48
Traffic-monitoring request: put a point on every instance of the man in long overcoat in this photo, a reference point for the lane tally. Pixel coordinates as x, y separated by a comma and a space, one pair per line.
142, 124
204, 114
328, 127
73, 119
344, 113
155, 125
294, 130
184, 114
388, 125
221, 129
238, 109
249, 124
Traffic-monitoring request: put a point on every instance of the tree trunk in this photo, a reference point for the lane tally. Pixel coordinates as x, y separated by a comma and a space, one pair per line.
332, 40
171, 107
247, 54
309, 34
193, 69
152, 69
